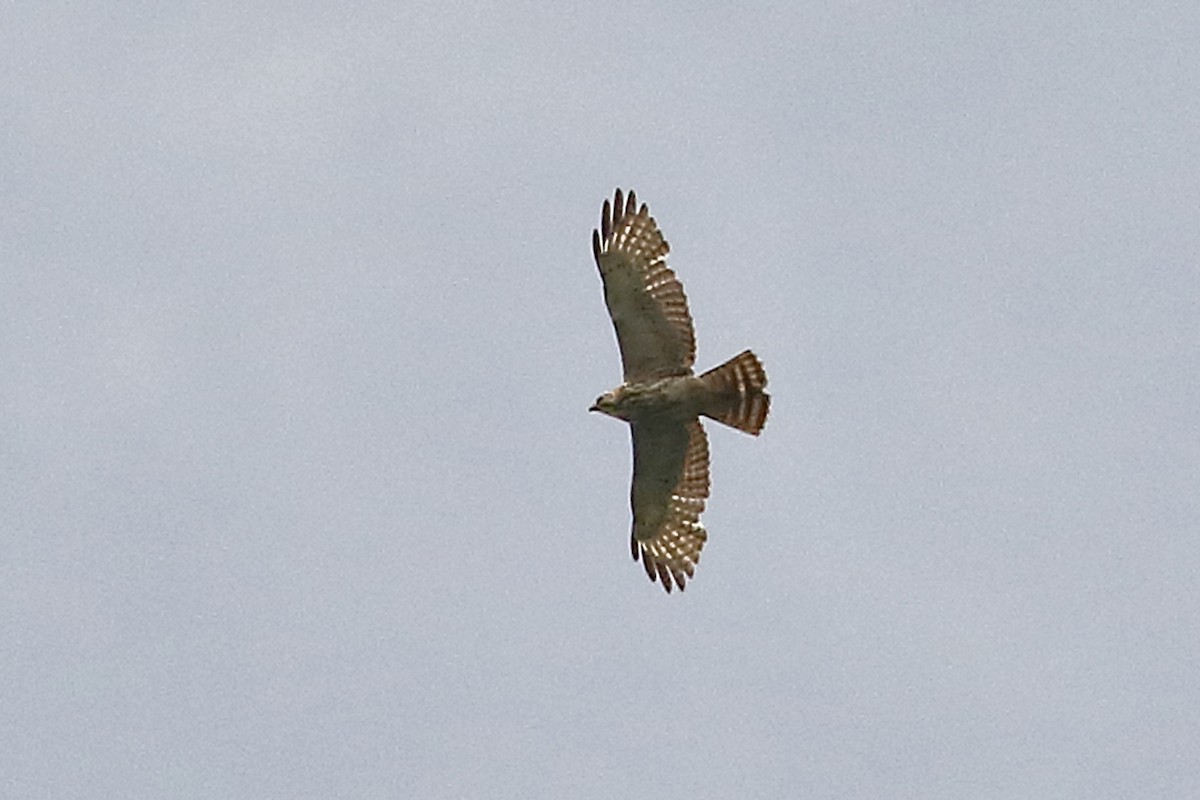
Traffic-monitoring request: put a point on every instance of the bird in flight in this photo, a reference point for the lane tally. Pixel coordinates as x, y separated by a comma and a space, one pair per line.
661, 398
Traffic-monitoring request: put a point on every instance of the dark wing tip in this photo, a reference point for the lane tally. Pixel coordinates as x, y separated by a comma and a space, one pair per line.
655, 571
664, 575
616, 210
648, 565
596, 245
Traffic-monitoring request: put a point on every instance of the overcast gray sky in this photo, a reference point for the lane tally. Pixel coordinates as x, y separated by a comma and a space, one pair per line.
300, 498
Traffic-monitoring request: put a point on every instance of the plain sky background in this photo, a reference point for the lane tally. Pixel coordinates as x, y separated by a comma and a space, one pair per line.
300, 498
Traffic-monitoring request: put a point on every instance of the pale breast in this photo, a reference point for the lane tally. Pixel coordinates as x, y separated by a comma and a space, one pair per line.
680, 397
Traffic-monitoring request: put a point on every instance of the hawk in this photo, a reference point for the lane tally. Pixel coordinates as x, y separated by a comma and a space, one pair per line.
661, 397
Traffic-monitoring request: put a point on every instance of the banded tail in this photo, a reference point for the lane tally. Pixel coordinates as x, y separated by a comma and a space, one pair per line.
737, 397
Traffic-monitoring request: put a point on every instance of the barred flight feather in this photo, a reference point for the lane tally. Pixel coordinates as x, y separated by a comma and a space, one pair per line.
673, 551
645, 299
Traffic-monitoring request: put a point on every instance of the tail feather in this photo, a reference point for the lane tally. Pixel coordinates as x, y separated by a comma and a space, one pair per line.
737, 397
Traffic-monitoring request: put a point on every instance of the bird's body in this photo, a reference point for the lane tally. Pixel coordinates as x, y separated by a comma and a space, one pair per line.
661, 398
681, 396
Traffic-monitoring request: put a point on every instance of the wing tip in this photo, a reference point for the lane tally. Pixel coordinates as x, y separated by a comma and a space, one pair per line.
622, 205
658, 571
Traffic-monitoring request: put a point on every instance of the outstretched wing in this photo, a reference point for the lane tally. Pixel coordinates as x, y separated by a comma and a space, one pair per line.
645, 300
670, 485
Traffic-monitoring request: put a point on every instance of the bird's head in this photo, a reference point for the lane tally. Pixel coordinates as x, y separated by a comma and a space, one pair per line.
606, 404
